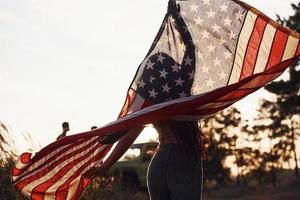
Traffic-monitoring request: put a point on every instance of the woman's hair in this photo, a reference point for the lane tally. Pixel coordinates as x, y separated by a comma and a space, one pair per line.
187, 134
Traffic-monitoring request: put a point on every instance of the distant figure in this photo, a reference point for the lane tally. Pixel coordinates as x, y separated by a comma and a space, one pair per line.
93, 128
66, 128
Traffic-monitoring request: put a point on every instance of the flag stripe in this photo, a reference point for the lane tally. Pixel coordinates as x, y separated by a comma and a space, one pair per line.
51, 157
265, 49
58, 174
242, 46
62, 186
83, 184
278, 47
290, 48
253, 48
137, 104
54, 161
72, 189
54, 165
22, 163
298, 49
259, 82
83, 168
215, 104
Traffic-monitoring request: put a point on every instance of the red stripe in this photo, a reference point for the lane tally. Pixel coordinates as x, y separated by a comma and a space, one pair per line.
253, 48
38, 175
298, 49
209, 111
38, 191
278, 49
146, 104
63, 189
16, 171
24, 159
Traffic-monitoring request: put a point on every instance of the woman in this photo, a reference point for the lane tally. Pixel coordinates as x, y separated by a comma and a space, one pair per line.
175, 171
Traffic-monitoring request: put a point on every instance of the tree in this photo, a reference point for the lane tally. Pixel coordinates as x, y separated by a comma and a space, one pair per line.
223, 130
288, 92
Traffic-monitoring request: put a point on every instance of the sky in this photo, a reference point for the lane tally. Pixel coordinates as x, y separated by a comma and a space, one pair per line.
73, 60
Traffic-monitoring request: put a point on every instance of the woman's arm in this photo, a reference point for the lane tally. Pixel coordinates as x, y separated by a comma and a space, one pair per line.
123, 144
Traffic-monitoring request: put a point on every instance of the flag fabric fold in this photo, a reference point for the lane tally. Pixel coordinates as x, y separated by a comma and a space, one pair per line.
205, 57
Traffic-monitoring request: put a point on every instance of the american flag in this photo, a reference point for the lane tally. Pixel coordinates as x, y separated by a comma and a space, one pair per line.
204, 58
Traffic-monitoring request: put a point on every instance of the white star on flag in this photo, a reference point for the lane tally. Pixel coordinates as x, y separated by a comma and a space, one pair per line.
210, 14
151, 79
192, 75
227, 54
227, 21
160, 58
205, 68
141, 83
211, 48
194, 7
188, 61
216, 28
222, 41
179, 81
217, 62
176, 67
232, 35
239, 16
166, 88
163, 74
222, 75
210, 82
199, 21
224, 7
149, 65
153, 93
206, 2
182, 94
205, 34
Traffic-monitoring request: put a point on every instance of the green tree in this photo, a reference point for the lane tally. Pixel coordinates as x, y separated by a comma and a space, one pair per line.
268, 125
288, 91
222, 131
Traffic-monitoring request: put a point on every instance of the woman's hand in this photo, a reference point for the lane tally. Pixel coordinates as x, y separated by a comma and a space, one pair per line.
94, 171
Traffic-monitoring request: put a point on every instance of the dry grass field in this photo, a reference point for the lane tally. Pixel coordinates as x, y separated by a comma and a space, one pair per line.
287, 189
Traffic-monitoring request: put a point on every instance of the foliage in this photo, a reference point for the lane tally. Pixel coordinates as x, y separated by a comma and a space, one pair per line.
287, 98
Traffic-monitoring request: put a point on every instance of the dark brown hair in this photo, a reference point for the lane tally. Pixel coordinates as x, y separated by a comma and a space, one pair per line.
187, 134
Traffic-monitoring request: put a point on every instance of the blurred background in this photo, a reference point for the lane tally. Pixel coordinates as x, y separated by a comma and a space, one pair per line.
58, 63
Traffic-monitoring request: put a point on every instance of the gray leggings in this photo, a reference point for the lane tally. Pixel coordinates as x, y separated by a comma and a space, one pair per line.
173, 176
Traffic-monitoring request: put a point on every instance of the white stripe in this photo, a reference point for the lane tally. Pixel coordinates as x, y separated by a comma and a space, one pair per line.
137, 104
87, 143
73, 188
291, 48
51, 190
28, 188
265, 49
242, 47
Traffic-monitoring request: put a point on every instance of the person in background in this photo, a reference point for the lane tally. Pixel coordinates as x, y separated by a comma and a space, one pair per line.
66, 128
93, 128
